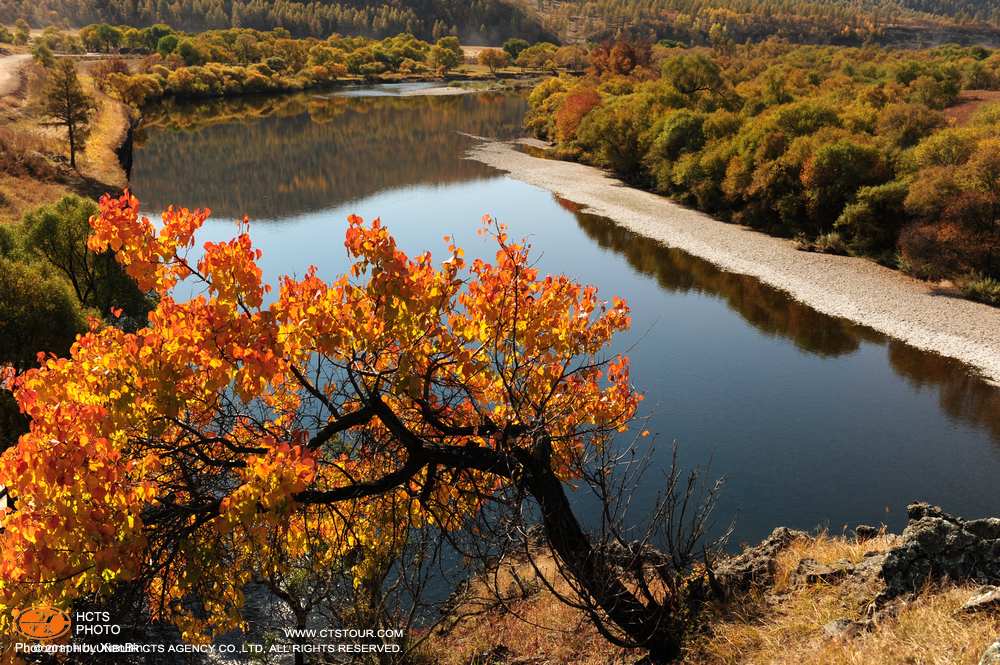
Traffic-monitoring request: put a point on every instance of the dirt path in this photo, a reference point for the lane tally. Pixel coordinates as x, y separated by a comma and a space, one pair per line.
10, 67
853, 288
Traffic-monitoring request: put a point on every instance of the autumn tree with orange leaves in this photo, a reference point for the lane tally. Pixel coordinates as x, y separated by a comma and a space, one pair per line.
238, 432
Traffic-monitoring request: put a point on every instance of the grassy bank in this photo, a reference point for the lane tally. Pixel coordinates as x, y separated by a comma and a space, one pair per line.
785, 623
879, 153
34, 169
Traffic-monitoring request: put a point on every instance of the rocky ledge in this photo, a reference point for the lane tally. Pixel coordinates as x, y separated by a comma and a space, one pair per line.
934, 548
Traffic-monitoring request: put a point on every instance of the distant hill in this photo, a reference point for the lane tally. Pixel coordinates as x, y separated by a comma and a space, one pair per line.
909, 22
475, 21
849, 22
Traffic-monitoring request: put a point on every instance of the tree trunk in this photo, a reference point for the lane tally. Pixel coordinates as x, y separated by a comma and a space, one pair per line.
301, 619
72, 144
642, 624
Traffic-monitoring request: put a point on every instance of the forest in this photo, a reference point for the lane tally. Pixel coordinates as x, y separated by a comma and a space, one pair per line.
492, 21
852, 151
479, 21
802, 21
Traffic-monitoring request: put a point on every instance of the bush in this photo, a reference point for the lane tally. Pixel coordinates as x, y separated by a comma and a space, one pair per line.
57, 235
38, 312
981, 289
538, 56
611, 134
572, 110
873, 221
904, 125
833, 174
8, 241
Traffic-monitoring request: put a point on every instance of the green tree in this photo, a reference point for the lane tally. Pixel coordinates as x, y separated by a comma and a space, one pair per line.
57, 235
37, 313
443, 56
691, 74
872, 222
835, 172
101, 37
21, 31
68, 105
514, 46
43, 55
166, 45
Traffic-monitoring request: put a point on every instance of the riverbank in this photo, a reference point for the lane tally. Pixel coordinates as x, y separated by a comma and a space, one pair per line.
802, 599
923, 315
35, 169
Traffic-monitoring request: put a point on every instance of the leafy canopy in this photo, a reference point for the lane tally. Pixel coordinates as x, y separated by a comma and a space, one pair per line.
231, 435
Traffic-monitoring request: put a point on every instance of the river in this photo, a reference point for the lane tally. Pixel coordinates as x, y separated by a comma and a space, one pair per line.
813, 420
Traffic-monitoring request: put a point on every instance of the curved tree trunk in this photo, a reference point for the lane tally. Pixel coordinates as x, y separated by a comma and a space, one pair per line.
643, 624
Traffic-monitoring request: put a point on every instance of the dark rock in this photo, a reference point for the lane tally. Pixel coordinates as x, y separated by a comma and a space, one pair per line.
755, 566
811, 571
992, 655
986, 598
865, 532
938, 546
843, 629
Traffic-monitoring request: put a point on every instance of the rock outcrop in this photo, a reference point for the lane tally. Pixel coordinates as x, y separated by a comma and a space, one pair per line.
987, 598
755, 566
939, 546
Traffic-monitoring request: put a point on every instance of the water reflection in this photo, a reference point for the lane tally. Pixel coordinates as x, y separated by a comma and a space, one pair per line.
767, 308
814, 419
274, 158
962, 395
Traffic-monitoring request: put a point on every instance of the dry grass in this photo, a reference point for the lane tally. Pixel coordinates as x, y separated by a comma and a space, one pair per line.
33, 169
19, 194
537, 627
826, 549
107, 131
783, 627
968, 103
928, 631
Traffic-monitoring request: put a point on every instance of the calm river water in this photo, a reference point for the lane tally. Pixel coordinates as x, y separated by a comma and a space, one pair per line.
813, 420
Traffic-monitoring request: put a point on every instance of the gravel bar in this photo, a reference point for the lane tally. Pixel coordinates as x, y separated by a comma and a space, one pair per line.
853, 288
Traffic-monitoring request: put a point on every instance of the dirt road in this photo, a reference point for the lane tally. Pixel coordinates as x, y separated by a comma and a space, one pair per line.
10, 65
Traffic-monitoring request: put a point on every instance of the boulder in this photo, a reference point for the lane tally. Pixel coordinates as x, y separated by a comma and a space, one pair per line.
811, 571
843, 629
938, 546
992, 655
755, 566
863, 532
985, 599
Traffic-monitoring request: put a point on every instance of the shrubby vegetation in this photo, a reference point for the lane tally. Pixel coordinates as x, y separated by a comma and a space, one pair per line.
50, 283
232, 62
851, 149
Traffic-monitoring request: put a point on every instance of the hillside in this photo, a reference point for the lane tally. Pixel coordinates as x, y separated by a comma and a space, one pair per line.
807, 600
479, 21
903, 22
848, 22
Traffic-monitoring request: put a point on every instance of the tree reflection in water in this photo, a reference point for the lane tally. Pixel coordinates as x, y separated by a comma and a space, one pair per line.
311, 161
962, 395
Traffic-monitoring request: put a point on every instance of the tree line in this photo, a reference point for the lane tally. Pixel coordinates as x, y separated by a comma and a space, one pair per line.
482, 21
850, 150
802, 21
